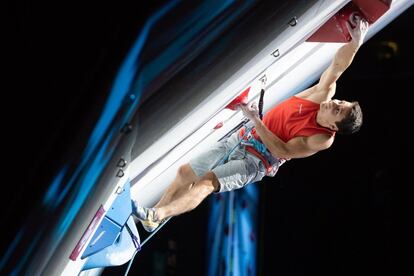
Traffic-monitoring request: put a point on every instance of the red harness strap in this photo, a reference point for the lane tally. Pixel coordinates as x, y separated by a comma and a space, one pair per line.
268, 167
252, 150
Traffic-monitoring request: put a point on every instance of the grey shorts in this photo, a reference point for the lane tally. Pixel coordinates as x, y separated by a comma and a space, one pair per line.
240, 169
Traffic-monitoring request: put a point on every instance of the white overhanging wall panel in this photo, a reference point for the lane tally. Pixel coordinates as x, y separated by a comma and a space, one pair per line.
292, 72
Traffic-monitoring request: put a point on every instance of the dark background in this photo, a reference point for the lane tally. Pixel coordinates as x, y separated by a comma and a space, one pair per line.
343, 211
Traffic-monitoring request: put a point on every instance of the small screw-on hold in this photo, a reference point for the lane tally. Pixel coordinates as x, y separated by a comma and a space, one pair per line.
219, 125
119, 190
126, 128
263, 79
121, 163
293, 21
275, 53
120, 173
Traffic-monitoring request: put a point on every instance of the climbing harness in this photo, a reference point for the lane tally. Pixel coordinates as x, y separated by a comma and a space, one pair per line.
257, 148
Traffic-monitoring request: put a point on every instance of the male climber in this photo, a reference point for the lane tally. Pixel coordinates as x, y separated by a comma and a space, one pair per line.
298, 127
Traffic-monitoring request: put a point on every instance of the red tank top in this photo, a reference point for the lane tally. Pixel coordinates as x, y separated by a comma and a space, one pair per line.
292, 118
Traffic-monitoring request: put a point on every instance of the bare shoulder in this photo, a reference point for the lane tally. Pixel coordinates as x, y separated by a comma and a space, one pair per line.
319, 142
305, 94
302, 146
317, 93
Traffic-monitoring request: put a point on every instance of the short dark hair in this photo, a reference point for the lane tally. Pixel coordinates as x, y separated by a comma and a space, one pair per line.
352, 122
